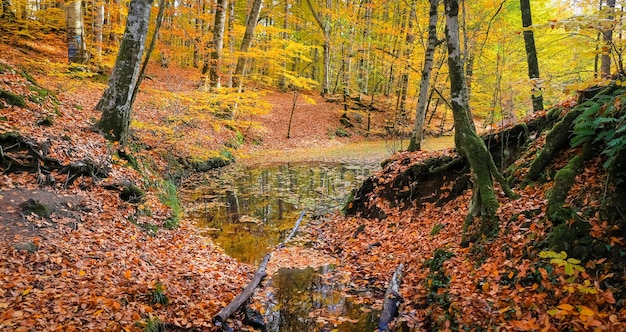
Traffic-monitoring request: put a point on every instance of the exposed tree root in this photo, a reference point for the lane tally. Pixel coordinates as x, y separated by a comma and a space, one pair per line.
21, 154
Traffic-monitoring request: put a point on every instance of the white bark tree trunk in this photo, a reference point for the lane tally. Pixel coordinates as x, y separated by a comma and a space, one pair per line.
76, 45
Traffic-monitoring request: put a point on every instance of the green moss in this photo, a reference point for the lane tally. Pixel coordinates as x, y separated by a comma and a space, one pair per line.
169, 198
563, 181
36, 207
341, 132
45, 121
576, 241
132, 194
12, 99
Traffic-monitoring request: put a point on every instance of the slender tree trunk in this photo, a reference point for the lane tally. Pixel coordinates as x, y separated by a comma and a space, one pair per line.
531, 55
404, 78
251, 23
484, 203
605, 65
415, 142
218, 44
98, 24
231, 40
116, 102
76, 45
325, 27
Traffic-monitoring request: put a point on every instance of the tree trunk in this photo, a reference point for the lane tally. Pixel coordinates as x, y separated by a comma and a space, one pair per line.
155, 37
98, 24
218, 44
7, 13
251, 23
416, 136
605, 65
231, 40
531, 55
116, 102
404, 79
76, 46
470, 146
325, 27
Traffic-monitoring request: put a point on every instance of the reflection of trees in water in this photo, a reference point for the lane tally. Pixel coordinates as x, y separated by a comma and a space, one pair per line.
299, 296
249, 210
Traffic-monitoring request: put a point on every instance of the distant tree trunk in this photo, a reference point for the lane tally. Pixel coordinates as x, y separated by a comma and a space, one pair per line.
231, 40
282, 81
251, 23
116, 102
531, 55
470, 146
325, 27
76, 45
605, 64
7, 13
218, 45
404, 78
98, 24
415, 142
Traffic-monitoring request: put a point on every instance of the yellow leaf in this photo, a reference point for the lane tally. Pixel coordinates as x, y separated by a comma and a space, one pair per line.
585, 311
127, 274
26, 291
81, 273
566, 307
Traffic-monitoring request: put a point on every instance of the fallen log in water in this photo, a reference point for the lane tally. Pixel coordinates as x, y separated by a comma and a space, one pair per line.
220, 318
391, 301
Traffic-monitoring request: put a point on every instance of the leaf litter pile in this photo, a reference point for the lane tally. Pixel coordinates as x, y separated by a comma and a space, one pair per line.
513, 282
82, 264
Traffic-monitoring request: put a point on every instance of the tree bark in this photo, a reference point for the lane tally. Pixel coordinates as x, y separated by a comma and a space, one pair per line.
116, 102
98, 24
470, 146
531, 55
155, 37
218, 44
391, 301
415, 142
325, 27
607, 36
76, 45
246, 42
404, 79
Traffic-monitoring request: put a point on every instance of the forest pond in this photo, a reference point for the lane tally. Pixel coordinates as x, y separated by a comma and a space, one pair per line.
249, 210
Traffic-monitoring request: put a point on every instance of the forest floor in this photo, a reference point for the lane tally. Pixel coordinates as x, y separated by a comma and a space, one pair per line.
77, 252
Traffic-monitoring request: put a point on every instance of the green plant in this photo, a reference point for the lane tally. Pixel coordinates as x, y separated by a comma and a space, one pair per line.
158, 294
151, 324
604, 123
437, 228
169, 198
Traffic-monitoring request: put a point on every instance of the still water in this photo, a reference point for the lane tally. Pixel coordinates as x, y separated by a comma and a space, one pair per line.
248, 211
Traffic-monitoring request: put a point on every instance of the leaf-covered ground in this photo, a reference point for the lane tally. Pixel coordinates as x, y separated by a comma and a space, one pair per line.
96, 262
512, 283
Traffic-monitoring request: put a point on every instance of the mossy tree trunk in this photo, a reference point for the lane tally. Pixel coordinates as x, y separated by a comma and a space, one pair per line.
116, 102
470, 146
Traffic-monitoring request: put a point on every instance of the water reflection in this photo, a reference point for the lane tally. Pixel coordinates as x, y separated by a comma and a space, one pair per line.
249, 210
304, 300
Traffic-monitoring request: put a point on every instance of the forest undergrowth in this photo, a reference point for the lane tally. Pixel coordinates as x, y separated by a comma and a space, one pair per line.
93, 238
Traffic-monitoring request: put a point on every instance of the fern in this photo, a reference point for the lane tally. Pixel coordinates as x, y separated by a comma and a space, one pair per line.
604, 123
